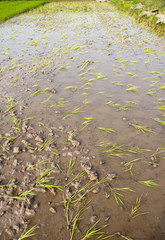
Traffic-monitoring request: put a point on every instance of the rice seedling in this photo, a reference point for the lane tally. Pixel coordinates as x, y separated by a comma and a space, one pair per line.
43, 181
135, 208
27, 193
115, 105
45, 144
129, 165
117, 83
44, 91
161, 108
96, 232
137, 150
87, 121
11, 107
67, 116
149, 183
126, 107
117, 192
158, 151
73, 88
132, 88
142, 128
159, 121
47, 100
61, 103
108, 130
76, 219
8, 185
127, 238
27, 234
87, 102
131, 102
70, 167
161, 99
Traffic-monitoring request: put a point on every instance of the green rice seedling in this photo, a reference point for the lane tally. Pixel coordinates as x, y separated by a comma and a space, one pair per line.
27, 234
43, 181
129, 165
161, 108
87, 121
137, 150
108, 130
27, 193
61, 103
8, 185
76, 219
117, 192
73, 88
77, 110
11, 107
56, 154
67, 116
78, 176
103, 144
158, 151
132, 102
47, 100
135, 208
3, 69
17, 129
159, 121
44, 91
151, 92
29, 118
126, 107
117, 83
127, 238
100, 75
96, 232
63, 67
87, 102
149, 183
161, 99
115, 105
37, 165
132, 88
46, 144
142, 128
70, 167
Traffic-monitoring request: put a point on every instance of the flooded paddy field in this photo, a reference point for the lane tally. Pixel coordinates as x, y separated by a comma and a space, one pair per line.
82, 119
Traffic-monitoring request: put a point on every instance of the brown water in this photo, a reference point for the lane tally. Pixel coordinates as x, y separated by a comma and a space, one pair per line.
99, 53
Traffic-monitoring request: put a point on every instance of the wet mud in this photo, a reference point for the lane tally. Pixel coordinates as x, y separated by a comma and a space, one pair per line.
82, 119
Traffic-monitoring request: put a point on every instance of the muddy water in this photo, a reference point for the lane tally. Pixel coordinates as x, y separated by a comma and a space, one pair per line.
83, 56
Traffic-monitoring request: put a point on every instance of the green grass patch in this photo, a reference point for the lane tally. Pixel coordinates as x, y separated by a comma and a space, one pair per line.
9, 9
131, 8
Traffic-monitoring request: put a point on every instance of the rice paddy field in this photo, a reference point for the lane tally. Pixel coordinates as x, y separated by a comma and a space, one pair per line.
9, 9
82, 120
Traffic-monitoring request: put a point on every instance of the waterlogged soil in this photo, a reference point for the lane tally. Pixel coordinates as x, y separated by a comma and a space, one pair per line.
82, 120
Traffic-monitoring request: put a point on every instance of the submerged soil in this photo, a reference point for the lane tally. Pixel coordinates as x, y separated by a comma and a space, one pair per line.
82, 91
